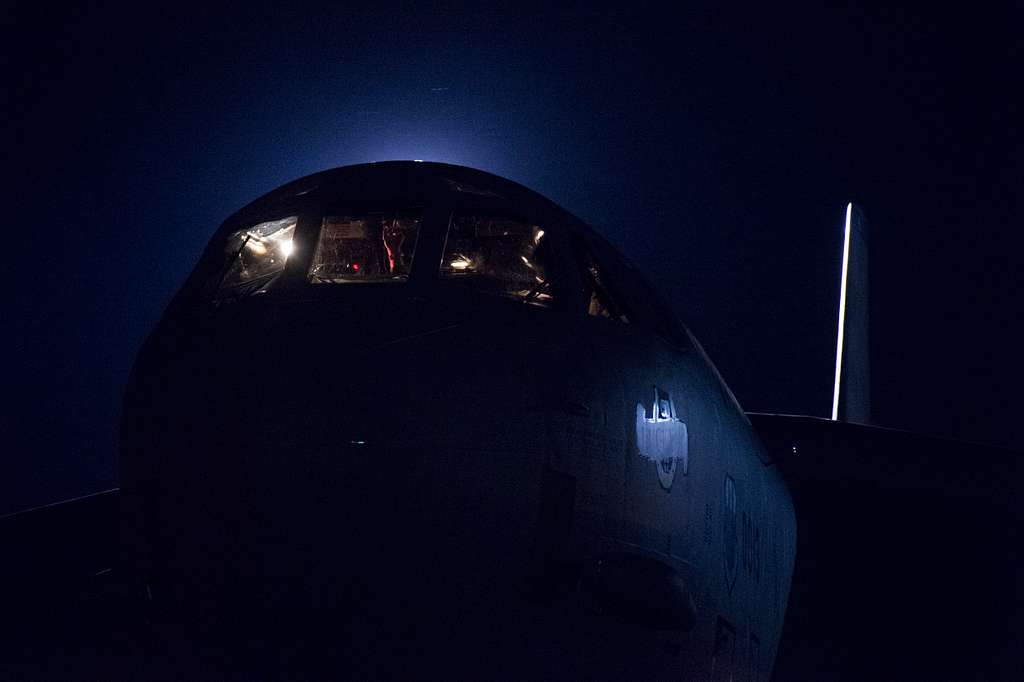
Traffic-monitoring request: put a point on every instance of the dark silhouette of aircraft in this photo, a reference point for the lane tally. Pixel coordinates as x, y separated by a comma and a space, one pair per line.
414, 420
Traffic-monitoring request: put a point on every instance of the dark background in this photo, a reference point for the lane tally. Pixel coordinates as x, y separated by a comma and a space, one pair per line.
716, 145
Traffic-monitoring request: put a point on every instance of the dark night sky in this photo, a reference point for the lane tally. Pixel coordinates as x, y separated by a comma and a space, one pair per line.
717, 146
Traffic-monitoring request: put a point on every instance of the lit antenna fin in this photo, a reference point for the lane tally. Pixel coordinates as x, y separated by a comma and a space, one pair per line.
842, 313
851, 394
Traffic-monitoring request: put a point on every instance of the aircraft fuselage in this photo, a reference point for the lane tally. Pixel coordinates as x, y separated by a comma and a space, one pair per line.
457, 461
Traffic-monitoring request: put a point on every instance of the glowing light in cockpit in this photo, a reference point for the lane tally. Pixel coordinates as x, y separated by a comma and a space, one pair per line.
286, 248
255, 244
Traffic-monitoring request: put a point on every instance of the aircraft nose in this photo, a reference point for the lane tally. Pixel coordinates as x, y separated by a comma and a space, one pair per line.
317, 479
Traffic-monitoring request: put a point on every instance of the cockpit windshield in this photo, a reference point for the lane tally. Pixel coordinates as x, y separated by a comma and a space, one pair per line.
500, 256
365, 247
255, 256
495, 254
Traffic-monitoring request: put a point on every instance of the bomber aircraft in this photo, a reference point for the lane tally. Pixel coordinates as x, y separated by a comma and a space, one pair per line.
411, 419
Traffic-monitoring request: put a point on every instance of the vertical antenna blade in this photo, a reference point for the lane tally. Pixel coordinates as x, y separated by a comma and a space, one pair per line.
842, 313
851, 395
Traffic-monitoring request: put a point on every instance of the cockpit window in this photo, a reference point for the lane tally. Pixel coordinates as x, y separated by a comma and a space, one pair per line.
255, 256
644, 304
365, 247
600, 298
500, 256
